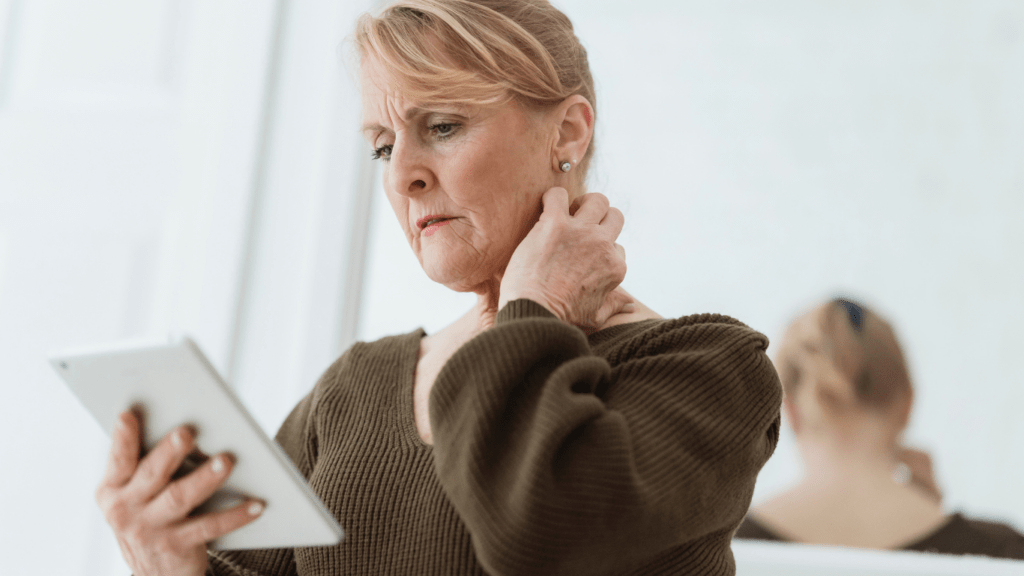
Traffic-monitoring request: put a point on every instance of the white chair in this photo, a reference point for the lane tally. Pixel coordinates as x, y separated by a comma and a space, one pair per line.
756, 558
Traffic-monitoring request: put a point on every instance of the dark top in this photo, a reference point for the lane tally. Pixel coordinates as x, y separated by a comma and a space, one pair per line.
633, 450
959, 535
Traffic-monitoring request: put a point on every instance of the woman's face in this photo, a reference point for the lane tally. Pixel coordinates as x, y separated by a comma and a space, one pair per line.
465, 184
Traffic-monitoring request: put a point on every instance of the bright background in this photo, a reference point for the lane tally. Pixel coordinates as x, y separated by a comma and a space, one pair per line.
170, 165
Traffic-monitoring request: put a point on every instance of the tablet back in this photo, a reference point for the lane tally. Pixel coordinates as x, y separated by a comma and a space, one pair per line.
174, 384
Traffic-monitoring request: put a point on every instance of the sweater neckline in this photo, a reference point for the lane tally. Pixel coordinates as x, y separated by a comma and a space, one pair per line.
409, 358
410, 355
924, 542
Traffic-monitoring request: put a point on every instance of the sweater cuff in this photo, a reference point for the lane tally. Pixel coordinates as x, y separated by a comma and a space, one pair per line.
521, 309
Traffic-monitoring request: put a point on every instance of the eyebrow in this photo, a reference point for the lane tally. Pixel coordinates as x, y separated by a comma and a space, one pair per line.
413, 112
376, 128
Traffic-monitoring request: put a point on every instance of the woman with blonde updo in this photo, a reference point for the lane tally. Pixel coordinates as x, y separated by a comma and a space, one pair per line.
848, 399
557, 427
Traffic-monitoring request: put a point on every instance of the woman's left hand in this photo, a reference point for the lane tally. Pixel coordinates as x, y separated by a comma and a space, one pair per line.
569, 262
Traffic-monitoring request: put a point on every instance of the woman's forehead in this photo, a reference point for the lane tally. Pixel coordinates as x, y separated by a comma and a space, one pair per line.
376, 87
383, 94
382, 103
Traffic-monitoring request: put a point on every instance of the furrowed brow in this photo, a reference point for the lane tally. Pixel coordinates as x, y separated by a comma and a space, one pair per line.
408, 115
372, 128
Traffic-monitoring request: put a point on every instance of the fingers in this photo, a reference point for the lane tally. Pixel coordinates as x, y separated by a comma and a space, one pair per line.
629, 303
555, 201
216, 524
575, 205
185, 494
616, 302
124, 451
614, 221
592, 207
595, 208
155, 470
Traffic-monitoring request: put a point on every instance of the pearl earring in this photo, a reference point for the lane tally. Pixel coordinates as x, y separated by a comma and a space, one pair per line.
566, 166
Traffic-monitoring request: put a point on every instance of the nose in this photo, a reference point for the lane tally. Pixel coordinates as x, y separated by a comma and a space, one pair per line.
410, 168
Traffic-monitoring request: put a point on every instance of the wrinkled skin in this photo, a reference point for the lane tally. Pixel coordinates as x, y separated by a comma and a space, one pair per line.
149, 512
570, 263
493, 173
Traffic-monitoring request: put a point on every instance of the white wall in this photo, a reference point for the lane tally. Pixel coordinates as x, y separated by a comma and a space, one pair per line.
770, 155
165, 165
127, 134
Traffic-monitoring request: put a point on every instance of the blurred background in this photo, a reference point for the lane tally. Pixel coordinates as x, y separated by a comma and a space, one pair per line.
186, 166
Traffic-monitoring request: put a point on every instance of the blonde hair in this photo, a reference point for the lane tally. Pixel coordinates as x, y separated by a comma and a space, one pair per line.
479, 53
862, 347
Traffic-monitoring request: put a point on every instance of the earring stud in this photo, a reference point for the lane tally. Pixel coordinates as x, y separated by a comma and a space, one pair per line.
566, 166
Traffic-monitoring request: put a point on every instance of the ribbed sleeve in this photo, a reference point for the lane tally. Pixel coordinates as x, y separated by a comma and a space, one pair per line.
632, 451
563, 461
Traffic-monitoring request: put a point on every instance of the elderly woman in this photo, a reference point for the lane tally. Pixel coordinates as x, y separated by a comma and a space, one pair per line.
559, 426
848, 399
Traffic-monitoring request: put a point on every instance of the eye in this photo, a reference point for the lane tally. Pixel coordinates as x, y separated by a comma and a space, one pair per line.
444, 130
382, 153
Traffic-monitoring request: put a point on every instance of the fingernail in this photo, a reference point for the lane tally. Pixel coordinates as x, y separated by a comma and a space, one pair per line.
255, 509
176, 439
218, 464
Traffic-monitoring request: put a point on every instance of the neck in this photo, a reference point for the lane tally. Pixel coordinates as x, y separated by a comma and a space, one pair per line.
485, 310
483, 313
842, 465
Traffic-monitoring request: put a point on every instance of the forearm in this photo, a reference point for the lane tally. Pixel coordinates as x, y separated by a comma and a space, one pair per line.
554, 457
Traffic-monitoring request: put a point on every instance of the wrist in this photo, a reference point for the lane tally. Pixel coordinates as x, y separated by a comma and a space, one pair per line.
521, 309
512, 295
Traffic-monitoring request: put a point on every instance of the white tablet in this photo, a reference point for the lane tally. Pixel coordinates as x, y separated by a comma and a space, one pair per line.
174, 384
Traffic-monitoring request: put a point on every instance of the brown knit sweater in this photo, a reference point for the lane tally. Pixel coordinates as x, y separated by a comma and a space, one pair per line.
631, 451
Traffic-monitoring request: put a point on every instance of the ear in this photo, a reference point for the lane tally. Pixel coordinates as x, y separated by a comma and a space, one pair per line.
574, 118
792, 414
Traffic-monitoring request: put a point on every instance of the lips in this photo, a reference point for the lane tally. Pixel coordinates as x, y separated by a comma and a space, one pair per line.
430, 224
431, 220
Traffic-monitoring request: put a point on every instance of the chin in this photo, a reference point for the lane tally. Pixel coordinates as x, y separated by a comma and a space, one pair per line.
453, 276
455, 282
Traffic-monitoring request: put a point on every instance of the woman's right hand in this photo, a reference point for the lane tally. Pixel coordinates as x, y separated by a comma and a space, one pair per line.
149, 511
